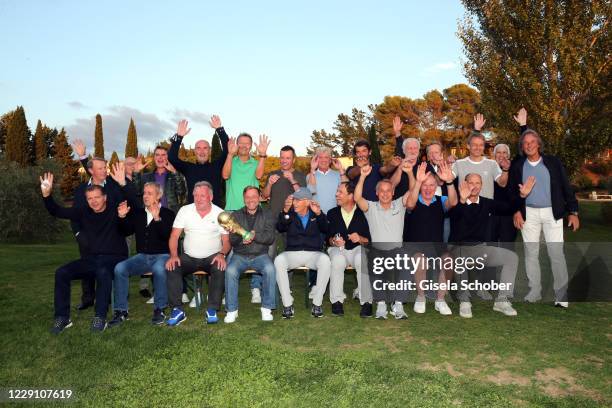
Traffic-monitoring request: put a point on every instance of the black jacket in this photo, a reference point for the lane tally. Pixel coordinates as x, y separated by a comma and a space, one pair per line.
298, 238
562, 195
470, 223
358, 224
153, 238
265, 232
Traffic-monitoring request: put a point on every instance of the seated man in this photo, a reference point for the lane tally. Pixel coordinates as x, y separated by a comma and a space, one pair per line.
304, 222
470, 221
348, 231
425, 227
205, 246
152, 226
251, 254
106, 247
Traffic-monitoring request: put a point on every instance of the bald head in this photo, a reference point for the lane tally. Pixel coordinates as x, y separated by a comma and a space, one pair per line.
202, 151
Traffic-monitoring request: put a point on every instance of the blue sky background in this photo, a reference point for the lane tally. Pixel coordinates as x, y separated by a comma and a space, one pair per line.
270, 67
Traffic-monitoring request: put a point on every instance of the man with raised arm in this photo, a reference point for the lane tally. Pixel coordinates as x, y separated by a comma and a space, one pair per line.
203, 169
362, 152
323, 181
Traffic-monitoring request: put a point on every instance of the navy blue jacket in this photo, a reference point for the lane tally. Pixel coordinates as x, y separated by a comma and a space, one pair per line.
358, 224
298, 238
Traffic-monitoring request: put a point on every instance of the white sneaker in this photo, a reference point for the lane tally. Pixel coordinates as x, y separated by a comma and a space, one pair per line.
381, 310
192, 304
356, 293
484, 295
230, 317
420, 305
266, 314
504, 307
465, 310
255, 295
151, 301
443, 308
313, 290
223, 300
533, 296
564, 305
185, 298
397, 310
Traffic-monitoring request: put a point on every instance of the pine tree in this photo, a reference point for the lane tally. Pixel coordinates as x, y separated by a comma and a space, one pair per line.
18, 138
98, 138
215, 150
131, 146
40, 147
4, 119
373, 140
113, 160
50, 137
70, 168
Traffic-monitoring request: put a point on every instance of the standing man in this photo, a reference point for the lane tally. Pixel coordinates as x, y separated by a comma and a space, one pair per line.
304, 223
362, 152
251, 253
542, 208
503, 228
322, 180
348, 232
205, 247
280, 185
203, 169
241, 170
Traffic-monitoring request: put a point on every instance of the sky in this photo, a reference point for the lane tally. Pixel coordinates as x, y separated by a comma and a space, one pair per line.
277, 68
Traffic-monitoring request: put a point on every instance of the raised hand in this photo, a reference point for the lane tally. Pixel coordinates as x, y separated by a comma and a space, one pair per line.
288, 203
450, 159
479, 121
169, 167
262, 146
154, 210
464, 191
504, 164
366, 170
407, 165
118, 173
314, 163
445, 173
338, 165
273, 179
396, 161
525, 189
315, 207
215, 122
232, 147
183, 128
79, 147
422, 173
397, 126
289, 176
46, 184
123, 209
140, 165
521, 117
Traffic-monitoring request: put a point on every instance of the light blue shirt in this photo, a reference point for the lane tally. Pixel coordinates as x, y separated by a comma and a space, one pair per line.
540, 194
434, 199
325, 190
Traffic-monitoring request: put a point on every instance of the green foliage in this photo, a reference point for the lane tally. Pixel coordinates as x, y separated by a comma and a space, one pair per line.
23, 217
551, 57
98, 138
215, 149
113, 160
320, 138
131, 145
18, 137
69, 167
606, 213
582, 182
375, 157
600, 167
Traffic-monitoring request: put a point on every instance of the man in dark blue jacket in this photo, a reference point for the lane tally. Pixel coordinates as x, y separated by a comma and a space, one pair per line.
304, 222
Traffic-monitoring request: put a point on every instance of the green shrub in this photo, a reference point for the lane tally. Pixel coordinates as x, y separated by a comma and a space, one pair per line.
23, 217
600, 167
582, 182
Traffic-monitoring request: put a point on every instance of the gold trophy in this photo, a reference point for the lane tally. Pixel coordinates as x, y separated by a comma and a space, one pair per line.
227, 221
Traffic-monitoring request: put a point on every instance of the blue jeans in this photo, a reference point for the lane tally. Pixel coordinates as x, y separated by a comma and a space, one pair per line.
237, 265
137, 265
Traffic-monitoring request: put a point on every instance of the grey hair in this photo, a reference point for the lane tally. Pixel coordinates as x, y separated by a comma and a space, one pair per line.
206, 184
475, 134
500, 146
408, 140
536, 135
157, 186
381, 182
323, 149
473, 174
433, 143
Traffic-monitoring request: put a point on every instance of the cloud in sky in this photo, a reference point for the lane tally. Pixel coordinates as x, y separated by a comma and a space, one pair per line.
77, 105
150, 129
441, 66
192, 116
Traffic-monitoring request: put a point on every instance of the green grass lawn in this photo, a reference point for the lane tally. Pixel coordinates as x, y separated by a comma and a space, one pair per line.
543, 357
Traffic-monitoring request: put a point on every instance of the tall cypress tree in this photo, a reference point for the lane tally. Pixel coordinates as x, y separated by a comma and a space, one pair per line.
98, 138
40, 146
373, 140
3, 127
18, 138
50, 137
114, 159
131, 146
70, 168
215, 150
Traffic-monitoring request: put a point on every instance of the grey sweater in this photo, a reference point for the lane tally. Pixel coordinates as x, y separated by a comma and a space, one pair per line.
264, 225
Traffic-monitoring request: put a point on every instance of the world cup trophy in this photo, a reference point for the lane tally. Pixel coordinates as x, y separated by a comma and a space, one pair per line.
227, 221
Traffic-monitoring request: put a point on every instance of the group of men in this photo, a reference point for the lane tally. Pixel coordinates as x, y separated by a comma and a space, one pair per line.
327, 220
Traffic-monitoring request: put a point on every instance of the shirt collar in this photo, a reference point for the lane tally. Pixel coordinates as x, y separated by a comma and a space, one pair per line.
468, 201
343, 211
90, 182
324, 173
433, 200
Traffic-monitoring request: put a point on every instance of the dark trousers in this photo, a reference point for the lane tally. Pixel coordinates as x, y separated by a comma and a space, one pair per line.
189, 265
100, 268
88, 285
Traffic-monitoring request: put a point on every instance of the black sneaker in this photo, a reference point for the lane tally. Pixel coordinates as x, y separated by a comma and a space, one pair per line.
366, 310
83, 306
317, 311
338, 309
119, 317
288, 312
145, 293
98, 324
60, 324
158, 317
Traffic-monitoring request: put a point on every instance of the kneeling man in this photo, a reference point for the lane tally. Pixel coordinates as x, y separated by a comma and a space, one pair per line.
251, 254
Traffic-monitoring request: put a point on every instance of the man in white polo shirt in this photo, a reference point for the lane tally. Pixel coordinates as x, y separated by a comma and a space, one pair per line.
205, 247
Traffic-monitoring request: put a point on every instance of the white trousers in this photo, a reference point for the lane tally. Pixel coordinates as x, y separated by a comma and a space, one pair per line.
340, 260
288, 260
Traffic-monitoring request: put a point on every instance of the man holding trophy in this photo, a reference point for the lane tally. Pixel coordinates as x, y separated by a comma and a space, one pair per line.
252, 231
